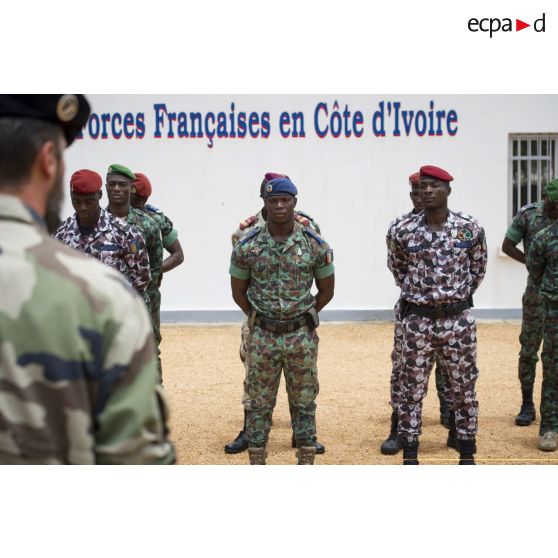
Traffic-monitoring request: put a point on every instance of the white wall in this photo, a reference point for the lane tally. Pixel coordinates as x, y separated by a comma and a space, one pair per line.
352, 186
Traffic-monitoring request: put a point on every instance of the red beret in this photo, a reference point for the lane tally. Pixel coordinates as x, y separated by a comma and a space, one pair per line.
85, 182
435, 172
142, 185
414, 179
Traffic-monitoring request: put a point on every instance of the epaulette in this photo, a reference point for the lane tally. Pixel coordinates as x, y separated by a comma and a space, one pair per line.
247, 222
152, 208
314, 235
249, 235
465, 216
528, 207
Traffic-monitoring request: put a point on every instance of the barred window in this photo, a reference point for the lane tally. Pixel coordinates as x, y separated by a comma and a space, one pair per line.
532, 164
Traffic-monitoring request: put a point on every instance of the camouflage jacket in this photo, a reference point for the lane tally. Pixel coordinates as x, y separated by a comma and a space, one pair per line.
168, 233
542, 262
115, 243
437, 268
257, 220
281, 274
78, 374
152, 235
530, 220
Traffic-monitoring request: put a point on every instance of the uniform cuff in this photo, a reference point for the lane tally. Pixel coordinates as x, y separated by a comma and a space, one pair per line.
238, 272
323, 272
170, 238
514, 236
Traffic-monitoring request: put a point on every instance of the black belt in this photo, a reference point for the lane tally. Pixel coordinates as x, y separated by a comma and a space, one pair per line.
435, 312
281, 326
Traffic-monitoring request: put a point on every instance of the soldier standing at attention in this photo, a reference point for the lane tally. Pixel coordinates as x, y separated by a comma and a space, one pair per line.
141, 190
98, 233
529, 220
272, 272
119, 188
542, 262
77, 361
240, 443
438, 258
391, 445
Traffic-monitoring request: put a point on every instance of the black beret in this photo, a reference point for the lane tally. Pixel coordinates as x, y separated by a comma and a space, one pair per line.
70, 112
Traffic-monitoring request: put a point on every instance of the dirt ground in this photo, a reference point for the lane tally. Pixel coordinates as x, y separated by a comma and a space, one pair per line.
203, 380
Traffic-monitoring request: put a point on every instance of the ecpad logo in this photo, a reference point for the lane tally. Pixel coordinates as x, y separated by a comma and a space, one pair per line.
494, 24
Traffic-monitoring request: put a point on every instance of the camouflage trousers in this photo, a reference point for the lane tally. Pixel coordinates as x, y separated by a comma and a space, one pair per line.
442, 381
549, 392
244, 333
530, 337
454, 340
267, 354
153, 302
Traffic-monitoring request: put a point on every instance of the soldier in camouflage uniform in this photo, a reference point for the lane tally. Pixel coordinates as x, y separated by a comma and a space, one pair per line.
119, 187
141, 190
272, 272
240, 443
77, 360
438, 258
392, 444
529, 220
542, 262
96, 232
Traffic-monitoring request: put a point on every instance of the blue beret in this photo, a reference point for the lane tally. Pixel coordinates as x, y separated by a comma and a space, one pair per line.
279, 187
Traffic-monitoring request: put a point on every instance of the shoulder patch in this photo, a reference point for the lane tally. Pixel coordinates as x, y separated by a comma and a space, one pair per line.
314, 235
250, 235
303, 220
247, 222
152, 208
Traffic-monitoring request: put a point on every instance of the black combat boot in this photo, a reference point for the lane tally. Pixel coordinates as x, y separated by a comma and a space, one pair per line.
320, 448
410, 453
527, 413
392, 444
444, 414
467, 450
452, 431
239, 445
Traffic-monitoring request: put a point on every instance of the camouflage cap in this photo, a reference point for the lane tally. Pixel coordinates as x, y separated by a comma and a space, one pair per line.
121, 169
551, 190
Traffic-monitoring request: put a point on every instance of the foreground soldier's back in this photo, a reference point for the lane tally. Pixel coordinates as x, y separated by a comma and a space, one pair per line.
77, 362
77, 365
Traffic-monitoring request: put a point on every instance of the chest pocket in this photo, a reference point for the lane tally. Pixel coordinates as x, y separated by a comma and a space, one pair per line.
304, 269
463, 244
110, 254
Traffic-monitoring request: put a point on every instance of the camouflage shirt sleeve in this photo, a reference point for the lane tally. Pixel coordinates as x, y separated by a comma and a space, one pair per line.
516, 231
168, 232
536, 261
323, 260
239, 266
479, 259
396, 256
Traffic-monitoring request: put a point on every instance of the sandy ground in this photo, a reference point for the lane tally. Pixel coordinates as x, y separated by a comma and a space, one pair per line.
203, 381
